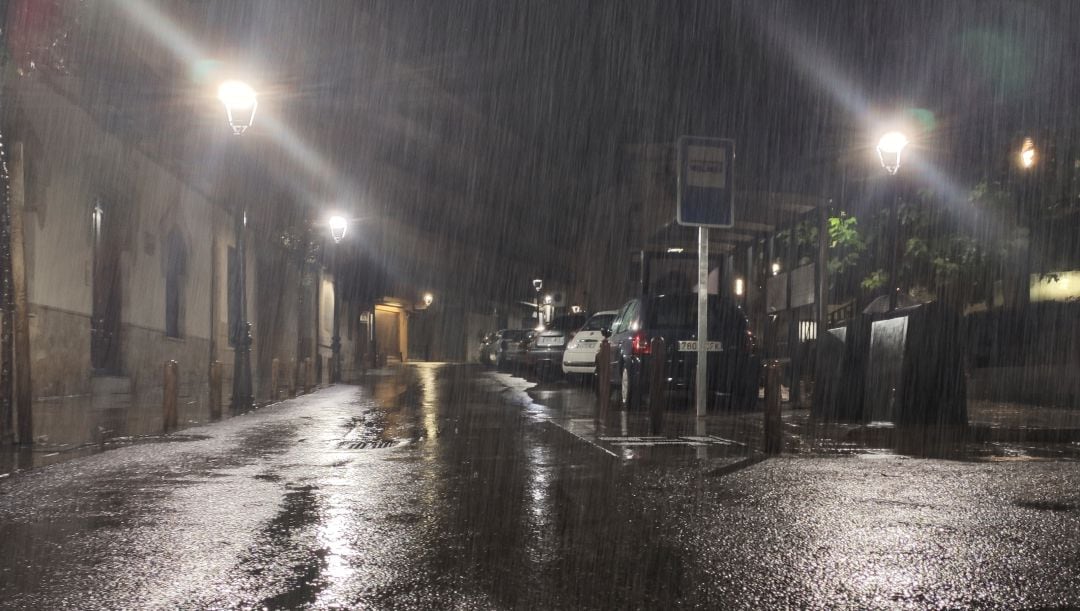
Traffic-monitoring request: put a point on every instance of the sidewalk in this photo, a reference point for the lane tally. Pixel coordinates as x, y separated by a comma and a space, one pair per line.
632, 435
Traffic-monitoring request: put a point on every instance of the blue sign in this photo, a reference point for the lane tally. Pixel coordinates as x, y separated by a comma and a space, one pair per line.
705, 188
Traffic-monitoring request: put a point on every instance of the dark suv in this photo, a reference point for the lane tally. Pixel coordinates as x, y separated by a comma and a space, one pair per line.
546, 349
733, 367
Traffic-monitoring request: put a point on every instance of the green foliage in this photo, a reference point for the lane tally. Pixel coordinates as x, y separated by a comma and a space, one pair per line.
846, 244
874, 280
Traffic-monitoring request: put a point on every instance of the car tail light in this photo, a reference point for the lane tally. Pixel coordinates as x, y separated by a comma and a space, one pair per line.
640, 345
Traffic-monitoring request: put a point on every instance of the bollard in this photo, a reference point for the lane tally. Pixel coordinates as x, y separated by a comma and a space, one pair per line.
168, 403
275, 365
309, 375
292, 378
603, 380
301, 378
657, 383
774, 432
215, 390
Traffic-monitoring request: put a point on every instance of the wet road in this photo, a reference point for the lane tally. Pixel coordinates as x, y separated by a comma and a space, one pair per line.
445, 487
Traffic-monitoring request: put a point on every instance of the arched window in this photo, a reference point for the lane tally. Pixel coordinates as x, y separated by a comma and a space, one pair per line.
175, 275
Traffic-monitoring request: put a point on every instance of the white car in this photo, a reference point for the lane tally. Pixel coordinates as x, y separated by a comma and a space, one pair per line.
580, 355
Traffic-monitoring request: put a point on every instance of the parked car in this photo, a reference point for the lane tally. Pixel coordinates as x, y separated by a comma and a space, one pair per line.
507, 347
733, 367
545, 351
580, 355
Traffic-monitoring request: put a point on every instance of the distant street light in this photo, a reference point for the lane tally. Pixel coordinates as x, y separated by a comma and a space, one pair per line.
547, 300
338, 226
428, 298
1027, 154
240, 103
889, 148
775, 268
538, 284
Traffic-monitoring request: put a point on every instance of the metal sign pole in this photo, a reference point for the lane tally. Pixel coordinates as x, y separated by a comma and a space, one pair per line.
702, 319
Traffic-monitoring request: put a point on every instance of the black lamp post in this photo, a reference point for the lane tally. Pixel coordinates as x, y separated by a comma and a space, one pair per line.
338, 226
889, 148
240, 104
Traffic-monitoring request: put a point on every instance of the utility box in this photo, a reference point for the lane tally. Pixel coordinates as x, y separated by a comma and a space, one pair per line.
903, 366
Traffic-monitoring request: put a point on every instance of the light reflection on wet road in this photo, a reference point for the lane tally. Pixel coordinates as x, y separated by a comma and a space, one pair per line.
443, 488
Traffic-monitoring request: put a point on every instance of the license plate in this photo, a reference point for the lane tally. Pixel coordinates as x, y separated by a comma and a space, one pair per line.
691, 346
550, 341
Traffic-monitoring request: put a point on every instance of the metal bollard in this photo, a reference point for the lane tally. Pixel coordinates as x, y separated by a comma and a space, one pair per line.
774, 432
170, 390
309, 375
215, 390
292, 378
603, 380
657, 382
275, 366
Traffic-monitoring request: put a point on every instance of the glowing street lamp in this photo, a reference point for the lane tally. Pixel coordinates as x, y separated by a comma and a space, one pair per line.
889, 148
338, 226
428, 298
240, 104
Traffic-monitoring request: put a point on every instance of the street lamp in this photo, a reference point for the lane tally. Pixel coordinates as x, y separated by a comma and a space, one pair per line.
889, 148
428, 298
338, 226
240, 103
538, 284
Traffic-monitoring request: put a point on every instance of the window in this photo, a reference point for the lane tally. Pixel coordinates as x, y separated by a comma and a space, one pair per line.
175, 252
620, 319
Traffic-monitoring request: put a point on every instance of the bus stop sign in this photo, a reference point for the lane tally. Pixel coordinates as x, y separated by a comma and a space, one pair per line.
705, 185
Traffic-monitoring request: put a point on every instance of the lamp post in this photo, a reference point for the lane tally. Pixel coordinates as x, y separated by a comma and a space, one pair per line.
240, 102
889, 148
538, 284
338, 226
1028, 157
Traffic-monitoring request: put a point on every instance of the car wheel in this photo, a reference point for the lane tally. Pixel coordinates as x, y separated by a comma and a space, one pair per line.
628, 391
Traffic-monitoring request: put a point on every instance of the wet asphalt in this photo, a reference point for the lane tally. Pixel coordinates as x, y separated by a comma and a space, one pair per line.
438, 486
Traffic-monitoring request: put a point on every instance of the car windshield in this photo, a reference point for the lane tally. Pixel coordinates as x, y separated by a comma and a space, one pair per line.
570, 322
680, 311
598, 322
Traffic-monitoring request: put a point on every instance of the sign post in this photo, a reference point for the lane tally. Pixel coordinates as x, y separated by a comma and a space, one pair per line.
705, 199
